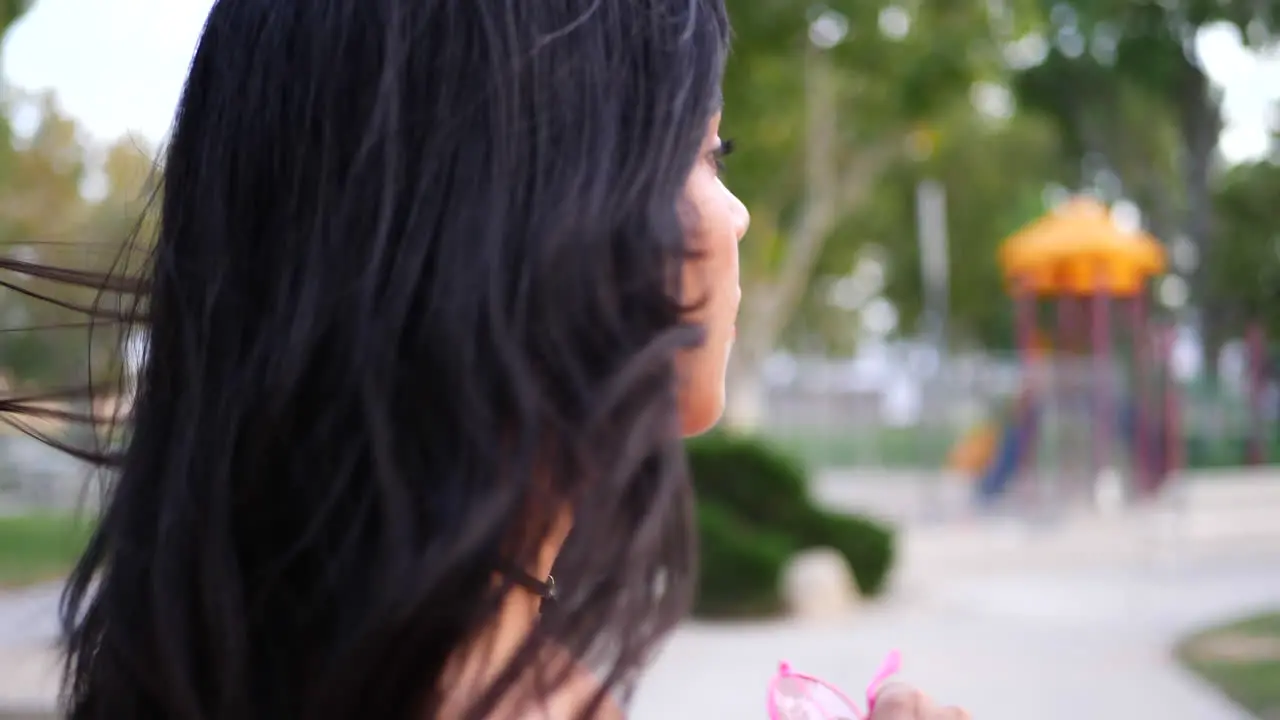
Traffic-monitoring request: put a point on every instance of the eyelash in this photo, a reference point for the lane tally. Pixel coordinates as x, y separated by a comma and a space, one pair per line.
719, 154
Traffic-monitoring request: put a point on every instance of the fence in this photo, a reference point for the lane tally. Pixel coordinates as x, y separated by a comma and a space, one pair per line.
35, 476
905, 411
911, 416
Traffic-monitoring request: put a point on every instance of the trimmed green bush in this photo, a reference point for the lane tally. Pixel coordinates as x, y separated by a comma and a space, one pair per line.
867, 545
755, 511
761, 484
741, 567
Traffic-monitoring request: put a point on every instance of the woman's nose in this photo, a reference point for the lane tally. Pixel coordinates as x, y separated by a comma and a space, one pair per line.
741, 217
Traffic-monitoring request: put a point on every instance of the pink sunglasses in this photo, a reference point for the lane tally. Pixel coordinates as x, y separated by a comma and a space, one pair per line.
796, 696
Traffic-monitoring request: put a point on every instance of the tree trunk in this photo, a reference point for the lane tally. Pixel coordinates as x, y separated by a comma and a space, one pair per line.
1201, 122
768, 307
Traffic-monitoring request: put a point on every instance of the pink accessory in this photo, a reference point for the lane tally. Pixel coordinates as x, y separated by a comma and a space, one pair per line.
796, 696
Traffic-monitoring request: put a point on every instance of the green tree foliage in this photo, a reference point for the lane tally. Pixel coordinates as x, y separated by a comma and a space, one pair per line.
46, 218
755, 512
1109, 96
1131, 98
10, 12
873, 90
994, 171
1244, 269
40, 208
827, 100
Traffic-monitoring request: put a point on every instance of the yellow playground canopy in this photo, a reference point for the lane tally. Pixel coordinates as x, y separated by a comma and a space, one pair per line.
1078, 249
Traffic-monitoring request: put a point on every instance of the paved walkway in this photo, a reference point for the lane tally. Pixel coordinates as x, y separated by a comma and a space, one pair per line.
1049, 647
29, 615
1057, 623
28, 667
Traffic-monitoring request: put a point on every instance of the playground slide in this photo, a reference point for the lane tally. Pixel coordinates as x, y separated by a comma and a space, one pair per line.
972, 455
1000, 473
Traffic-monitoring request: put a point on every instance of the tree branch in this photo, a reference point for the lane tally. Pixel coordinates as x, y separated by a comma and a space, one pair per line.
808, 236
830, 194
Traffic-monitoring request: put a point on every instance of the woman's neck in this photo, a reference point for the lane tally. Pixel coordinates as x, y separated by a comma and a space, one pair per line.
481, 663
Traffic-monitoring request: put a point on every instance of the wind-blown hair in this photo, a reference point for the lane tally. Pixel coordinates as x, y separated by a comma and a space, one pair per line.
414, 298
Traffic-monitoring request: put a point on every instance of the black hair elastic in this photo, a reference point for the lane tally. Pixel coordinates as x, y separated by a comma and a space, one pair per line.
545, 589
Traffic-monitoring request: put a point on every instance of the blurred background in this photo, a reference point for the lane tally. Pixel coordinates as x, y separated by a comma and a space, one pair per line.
1007, 375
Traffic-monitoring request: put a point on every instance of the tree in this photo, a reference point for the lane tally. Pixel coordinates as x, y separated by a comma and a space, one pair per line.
1244, 271
10, 12
827, 102
1124, 81
995, 173
41, 210
124, 219
46, 218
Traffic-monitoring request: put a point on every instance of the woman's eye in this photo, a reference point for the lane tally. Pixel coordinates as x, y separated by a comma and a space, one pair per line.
723, 150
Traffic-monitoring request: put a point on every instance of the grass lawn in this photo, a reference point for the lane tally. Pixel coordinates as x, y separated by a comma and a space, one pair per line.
1242, 659
879, 447
34, 548
927, 448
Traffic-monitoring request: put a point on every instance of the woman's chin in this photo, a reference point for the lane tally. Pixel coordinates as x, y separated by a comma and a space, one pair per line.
701, 417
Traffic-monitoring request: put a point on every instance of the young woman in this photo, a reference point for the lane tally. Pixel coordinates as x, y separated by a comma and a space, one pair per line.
438, 288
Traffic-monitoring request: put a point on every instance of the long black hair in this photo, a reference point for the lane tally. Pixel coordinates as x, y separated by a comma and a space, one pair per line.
414, 298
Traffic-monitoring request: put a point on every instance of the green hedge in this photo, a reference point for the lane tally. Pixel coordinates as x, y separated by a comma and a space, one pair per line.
867, 545
755, 511
761, 484
741, 568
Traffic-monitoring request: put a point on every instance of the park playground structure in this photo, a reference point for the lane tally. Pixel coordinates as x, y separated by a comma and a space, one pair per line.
1097, 399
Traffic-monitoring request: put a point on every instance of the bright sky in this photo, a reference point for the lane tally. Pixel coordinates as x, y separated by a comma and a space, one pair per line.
118, 66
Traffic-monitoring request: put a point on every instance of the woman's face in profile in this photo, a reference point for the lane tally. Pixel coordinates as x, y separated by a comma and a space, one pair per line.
719, 221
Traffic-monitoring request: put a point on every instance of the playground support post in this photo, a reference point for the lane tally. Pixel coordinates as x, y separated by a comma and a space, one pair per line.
1142, 444
1025, 324
1257, 383
1068, 326
1172, 407
1101, 325
1069, 322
